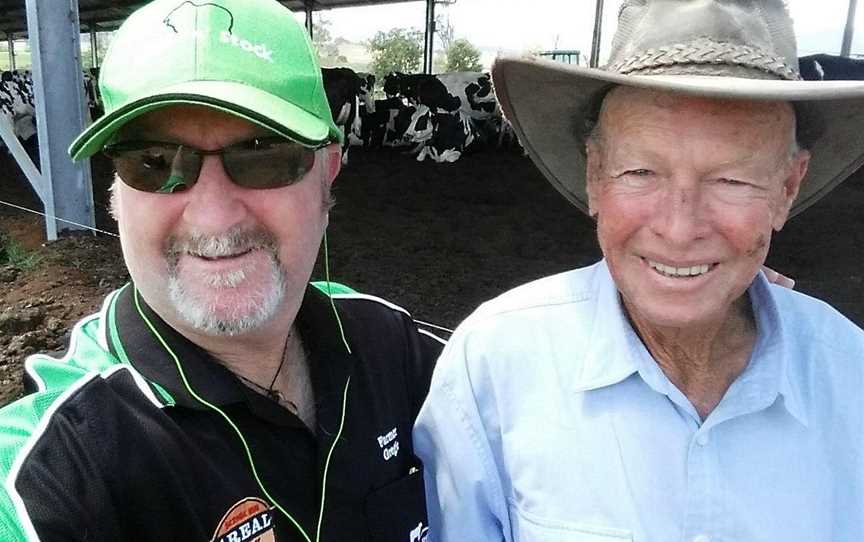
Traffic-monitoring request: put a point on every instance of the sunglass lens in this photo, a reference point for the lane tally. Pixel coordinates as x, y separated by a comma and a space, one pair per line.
268, 164
161, 168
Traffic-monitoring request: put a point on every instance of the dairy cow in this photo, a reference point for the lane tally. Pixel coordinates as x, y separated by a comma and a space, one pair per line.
367, 90
438, 134
344, 88
17, 109
379, 126
17, 102
824, 67
94, 98
469, 92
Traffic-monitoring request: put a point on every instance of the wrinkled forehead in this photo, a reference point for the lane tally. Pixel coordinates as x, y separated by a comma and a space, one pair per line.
624, 104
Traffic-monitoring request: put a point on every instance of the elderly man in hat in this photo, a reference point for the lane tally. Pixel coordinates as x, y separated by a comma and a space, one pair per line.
219, 396
668, 392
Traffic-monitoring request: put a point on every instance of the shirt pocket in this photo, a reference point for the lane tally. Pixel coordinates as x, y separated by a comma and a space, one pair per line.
528, 527
397, 511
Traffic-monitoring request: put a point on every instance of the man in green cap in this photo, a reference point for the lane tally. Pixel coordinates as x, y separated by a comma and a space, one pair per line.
219, 396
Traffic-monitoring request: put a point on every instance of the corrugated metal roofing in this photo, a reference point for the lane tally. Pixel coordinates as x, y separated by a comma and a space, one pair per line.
108, 14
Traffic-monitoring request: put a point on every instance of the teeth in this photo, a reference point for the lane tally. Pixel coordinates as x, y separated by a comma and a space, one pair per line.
212, 255
680, 271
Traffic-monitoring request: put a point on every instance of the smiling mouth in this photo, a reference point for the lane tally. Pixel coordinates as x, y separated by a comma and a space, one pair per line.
681, 272
214, 258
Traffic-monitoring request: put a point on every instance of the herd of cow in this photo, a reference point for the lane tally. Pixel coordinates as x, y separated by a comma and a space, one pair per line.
432, 116
435, 116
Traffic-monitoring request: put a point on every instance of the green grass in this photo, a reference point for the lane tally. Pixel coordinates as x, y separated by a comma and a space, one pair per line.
12, 253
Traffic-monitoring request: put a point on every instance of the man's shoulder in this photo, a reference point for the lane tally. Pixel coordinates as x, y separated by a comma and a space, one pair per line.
87, 351
549, 322
373, 313
825, 353
575, 289
812, 321
398, 352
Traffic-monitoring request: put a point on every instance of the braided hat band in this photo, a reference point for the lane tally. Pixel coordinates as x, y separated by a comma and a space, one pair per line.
670, 59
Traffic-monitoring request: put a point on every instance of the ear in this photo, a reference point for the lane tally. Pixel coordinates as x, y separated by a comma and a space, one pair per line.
114, 201
592, 174
791, 187
332, 162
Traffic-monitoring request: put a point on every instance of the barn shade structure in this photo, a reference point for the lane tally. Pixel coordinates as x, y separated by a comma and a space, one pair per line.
64, 187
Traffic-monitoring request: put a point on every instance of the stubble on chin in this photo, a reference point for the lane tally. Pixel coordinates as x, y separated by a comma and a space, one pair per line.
201, 312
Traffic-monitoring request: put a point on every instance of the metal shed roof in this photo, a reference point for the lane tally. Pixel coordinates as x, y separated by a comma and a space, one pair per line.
108, 14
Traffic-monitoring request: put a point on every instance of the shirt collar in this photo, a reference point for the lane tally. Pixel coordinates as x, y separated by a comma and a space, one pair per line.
616, 352
139, 336
774, 348
609, 357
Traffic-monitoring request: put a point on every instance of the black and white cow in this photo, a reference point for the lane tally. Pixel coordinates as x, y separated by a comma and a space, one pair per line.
342, 86
469, 92
446, 109
367, 90
17, 102
824, 67
379, 126
437, 134
452, 133
17, 108
94, 97
403, 85
474, 90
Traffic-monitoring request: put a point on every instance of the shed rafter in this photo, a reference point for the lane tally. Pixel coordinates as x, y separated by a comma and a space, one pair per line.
108, 14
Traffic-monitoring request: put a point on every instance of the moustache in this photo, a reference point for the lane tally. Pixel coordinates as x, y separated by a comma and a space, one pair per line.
233, 242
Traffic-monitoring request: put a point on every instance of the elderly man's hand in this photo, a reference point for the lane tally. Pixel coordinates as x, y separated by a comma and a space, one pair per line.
776, 278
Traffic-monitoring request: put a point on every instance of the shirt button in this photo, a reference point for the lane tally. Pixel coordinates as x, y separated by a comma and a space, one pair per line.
701, 440
702, 538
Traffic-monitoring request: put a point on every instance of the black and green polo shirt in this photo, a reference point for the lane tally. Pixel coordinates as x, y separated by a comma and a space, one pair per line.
113, 445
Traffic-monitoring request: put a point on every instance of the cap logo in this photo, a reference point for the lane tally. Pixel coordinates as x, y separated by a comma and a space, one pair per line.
170, 23
260, 50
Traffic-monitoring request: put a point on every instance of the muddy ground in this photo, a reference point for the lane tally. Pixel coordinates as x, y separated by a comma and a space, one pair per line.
435, 238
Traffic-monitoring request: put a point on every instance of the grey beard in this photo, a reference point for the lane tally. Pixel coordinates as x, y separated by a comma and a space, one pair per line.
258, 308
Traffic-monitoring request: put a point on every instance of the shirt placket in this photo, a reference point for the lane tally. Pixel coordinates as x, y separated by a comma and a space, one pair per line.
702, 488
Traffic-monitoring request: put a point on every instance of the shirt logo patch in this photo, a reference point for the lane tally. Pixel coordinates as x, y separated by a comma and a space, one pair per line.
250, 520
389, 444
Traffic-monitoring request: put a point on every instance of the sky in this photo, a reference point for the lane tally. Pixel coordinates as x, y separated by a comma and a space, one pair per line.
508, 25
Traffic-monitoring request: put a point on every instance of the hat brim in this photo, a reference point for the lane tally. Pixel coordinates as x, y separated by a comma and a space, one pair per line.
252, 104
547, 103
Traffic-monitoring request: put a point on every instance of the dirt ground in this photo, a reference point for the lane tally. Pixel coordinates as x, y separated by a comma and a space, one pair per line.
437, 239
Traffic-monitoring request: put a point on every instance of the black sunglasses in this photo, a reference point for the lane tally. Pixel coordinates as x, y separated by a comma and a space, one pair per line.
266, 162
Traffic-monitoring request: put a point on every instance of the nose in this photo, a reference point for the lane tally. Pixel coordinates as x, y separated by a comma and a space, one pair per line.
679, 217
215, 203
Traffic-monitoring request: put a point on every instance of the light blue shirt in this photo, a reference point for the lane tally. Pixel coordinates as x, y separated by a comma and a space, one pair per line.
548, 420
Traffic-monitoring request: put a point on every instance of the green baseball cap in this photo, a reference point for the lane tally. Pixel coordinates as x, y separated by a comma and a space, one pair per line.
249, 58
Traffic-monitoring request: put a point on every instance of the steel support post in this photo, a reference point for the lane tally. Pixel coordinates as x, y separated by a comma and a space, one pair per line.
849, 31
61, 112
94, 47
11, 43
429, 47
594, 60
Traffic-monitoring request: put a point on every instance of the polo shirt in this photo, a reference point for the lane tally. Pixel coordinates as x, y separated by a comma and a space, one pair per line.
117, 443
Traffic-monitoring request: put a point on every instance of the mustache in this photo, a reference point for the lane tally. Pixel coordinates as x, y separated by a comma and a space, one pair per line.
236, 240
